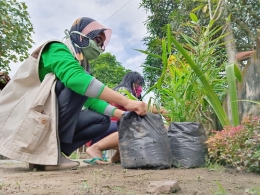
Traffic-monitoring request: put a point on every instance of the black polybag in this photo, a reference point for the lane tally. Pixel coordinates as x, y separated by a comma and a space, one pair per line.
187, 141
143, 142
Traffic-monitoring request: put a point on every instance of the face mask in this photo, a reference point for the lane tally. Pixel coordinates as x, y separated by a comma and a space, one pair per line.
92, 51
138, 90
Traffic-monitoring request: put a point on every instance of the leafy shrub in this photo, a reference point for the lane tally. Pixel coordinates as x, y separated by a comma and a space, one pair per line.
238, 146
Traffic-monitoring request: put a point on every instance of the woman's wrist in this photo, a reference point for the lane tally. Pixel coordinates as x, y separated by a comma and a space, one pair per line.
118, 113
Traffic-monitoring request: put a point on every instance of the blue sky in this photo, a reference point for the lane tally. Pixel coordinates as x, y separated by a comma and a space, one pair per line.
51, 17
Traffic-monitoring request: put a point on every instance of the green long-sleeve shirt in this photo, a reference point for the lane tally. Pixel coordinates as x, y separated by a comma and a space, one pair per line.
57, 58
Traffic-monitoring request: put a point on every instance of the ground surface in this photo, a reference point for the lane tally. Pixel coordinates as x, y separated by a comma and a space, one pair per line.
15, 178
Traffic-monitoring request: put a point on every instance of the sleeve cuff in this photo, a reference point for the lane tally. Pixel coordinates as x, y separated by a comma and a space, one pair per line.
109, 111
94, 89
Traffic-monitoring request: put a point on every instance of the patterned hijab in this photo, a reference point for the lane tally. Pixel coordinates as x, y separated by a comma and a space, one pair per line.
91, 29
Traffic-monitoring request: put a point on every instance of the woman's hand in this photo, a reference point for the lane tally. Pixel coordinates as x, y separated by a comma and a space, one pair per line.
164, 111
137, 106
114, 97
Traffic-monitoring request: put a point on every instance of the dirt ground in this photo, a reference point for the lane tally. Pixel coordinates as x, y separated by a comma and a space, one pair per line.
15, 178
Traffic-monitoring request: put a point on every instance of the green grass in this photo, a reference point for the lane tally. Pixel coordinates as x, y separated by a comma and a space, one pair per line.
220, 190
253, 191
74, 156
215, 167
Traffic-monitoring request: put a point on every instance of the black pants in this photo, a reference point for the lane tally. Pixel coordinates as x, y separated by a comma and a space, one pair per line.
76, 126
112, 129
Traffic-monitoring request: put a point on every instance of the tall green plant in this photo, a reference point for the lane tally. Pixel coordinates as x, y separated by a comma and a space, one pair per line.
195, 78
233, 73
211, 97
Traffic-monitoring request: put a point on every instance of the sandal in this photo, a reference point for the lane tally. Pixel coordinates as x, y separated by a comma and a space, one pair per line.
93, 161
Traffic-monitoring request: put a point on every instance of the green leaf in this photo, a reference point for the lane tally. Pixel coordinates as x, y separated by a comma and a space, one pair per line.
164, 56
128, 94
146, 52
150, 89
194, 18
230, 73
228, 19
149, 103
237, 72
150, 67
168, 92
197, 8
251, 101
169, 40
24, 5
165, 63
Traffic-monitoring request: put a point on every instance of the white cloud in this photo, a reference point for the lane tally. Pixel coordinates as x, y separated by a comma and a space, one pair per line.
50, 19
134, 63
149, 97
117, 48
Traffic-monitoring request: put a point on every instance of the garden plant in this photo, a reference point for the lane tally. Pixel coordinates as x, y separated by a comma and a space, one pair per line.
193, 84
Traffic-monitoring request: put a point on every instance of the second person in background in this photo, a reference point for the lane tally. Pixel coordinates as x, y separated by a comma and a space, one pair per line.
132, 83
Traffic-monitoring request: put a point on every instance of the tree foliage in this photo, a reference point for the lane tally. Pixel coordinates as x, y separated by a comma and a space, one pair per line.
15, 32
244, 18
108, 70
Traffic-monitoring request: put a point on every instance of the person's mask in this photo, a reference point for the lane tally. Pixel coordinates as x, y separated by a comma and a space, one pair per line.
92, 51
138, 91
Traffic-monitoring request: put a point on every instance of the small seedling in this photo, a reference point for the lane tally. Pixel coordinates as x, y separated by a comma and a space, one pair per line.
99, 174
1, 184
220, 190
177, 165
19, 186
253, 191
199, 178
124, 171
85, 187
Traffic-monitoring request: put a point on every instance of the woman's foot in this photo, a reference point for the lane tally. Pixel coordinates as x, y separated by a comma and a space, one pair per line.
94, 152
